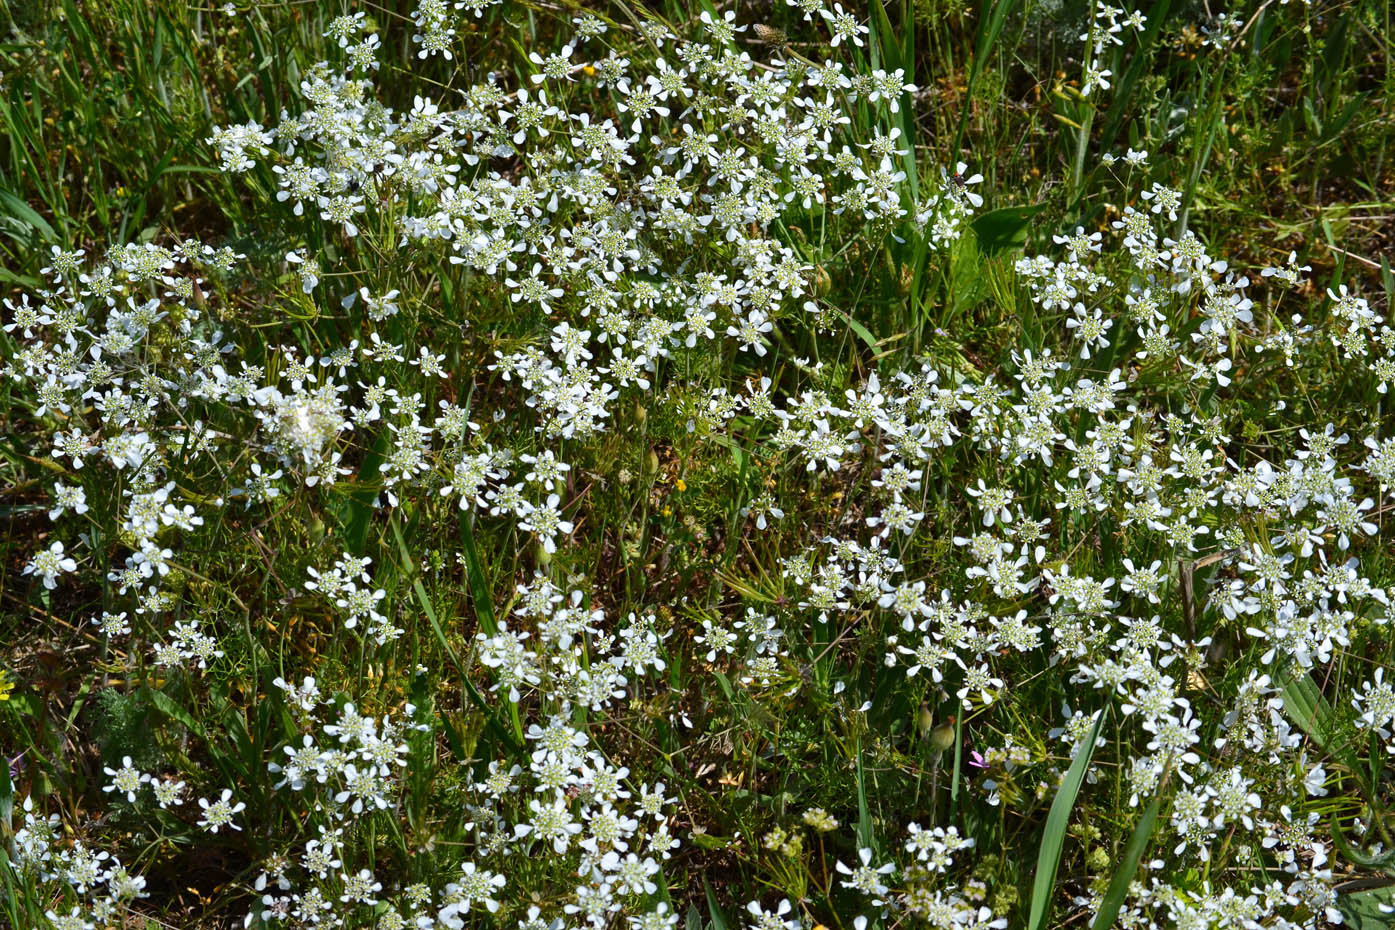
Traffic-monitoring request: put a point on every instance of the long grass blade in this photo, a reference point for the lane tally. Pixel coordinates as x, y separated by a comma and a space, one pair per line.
1114, 895
714, 913
479, 586
864, 813
989, 30
1053, 839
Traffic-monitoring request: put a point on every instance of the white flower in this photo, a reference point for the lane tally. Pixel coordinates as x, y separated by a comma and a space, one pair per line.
1376, 703
167, 792
219, 813
50, 563
67, 498
125, 780
844, 25
762, 919
866, 878
545, 521
724, 29
475, 886
959, 184
309, 271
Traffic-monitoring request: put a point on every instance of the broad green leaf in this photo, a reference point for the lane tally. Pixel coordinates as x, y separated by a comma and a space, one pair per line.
863, 332
1306, 705
1006, 229
168, 706
1362, 910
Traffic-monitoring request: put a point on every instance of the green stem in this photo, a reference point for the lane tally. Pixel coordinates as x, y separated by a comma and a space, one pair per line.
1083, 139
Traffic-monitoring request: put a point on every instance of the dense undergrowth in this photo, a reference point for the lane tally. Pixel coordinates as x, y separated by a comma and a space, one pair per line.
785, 465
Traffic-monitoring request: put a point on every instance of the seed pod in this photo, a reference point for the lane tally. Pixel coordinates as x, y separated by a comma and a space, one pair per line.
769, 36
942, 737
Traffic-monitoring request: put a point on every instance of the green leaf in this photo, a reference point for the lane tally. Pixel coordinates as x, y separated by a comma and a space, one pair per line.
7, 799
26, 214
167, 706
1306, 705
1113, 898
958, 758
424, 599
1128, 85
479, 587
1053, 839
23, 280
191, 169
1362, 909
1005, 229
725, 684
453, 740
863, 332
864, 815
714, 912
360, 504
990, 27
514, 738
1355, 856
708, 841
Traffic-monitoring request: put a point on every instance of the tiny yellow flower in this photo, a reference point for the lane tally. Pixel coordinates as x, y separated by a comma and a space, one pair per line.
6, 685
681, 485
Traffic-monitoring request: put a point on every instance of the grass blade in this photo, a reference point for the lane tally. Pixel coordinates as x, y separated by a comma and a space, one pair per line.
714, 913
989, 29
515, 736
1053, 839
21, 211
864, 814
359, 504
479, 587
1113, 898
7, 801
